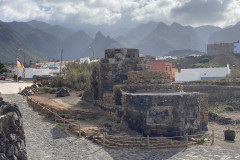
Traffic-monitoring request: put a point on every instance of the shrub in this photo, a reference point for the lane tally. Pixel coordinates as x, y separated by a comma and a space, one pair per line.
199, 65
204, 60
46, 89
235, 73
78, 75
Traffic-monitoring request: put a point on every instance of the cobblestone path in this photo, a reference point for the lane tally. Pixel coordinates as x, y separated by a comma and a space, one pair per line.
46, 141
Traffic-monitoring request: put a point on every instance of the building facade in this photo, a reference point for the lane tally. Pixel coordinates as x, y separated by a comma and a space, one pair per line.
161, 66
236, 46
219, 48
196, 74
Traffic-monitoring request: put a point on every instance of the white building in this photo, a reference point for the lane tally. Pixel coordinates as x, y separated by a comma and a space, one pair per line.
164, 57
196, 74
30, 72
85, 59
236, 47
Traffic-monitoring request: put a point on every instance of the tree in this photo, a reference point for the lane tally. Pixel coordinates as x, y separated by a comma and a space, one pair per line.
3, 68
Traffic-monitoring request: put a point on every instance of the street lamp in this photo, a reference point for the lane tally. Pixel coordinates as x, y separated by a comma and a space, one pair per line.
90, 47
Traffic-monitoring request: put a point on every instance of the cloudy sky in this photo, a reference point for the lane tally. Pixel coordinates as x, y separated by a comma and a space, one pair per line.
109, 12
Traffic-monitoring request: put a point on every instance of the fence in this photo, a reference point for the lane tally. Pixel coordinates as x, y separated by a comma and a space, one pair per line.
57, 117
126, 141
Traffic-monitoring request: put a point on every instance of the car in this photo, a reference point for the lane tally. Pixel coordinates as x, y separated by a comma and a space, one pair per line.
2, 78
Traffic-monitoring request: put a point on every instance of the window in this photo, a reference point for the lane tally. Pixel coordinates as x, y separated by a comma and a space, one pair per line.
166, 68
170, 68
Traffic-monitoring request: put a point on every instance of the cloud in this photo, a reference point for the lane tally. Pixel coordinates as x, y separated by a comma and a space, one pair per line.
109, 12
202, 12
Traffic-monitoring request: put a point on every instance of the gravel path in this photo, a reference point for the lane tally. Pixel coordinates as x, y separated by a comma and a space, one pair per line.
46, 141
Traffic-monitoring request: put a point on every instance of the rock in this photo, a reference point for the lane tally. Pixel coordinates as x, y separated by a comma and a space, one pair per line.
13, 158
10, 151
35, 86
229, 108
3, 157
63, 93
11, 133
39, 84
229, 135
238, 121
12, 137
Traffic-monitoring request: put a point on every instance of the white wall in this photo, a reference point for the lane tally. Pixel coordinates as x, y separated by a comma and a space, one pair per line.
236, 47
209, 73
30, 72
187, 76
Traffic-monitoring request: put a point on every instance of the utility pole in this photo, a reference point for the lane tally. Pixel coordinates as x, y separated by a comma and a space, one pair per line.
61, 62
92, 51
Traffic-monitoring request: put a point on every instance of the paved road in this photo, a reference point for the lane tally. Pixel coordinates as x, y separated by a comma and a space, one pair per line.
46, 141
8, 87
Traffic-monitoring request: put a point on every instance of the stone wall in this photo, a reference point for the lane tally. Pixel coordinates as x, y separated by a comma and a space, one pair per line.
166, 114
216, 93
145, 99
147, 77
112, 70
12, 139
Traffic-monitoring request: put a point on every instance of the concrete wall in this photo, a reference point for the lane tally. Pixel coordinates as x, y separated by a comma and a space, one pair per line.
30, 72
187, 76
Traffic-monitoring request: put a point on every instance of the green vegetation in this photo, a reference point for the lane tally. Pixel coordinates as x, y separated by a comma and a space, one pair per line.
3, 68
78, 75
235, 73
199, 65
204, 60
202, 139
201, 62
49, 90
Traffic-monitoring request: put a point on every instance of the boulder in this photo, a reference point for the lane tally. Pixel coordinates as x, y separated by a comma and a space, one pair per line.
63, 92
229, 135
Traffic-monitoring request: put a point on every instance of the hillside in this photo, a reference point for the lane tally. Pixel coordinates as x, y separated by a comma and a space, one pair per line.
168, 38
75, 45
229, 34
184, 52
11, 42
135, 35
41, 41
204, 32
100, 44
213, 61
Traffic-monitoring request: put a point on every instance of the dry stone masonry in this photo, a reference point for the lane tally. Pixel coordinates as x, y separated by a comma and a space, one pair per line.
125, 88
12, 139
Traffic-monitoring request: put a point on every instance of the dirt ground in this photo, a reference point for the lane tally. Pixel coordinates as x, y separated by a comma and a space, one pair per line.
219, 129
103, 121
114, 127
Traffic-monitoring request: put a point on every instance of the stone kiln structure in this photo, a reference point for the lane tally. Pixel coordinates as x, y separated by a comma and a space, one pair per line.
124, 87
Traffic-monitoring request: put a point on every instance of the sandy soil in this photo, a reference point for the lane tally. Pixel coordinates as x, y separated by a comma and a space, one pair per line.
102, 122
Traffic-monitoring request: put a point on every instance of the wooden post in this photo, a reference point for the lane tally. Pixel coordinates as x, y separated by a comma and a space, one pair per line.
212, 137
79, 130
148, 144
103, 139
64, 122
186, 136
55, 117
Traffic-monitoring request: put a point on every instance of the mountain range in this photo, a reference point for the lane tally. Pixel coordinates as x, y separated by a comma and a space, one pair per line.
42, 41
